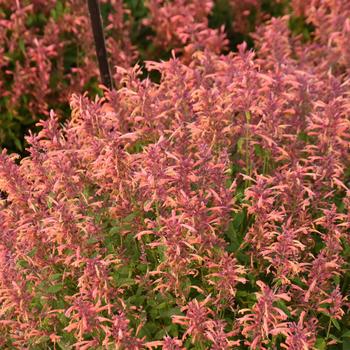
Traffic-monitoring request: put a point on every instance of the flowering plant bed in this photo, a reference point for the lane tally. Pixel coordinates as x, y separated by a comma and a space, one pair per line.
47, 51
209, 210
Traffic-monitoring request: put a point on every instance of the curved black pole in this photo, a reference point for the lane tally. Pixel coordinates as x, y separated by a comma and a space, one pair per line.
101, 52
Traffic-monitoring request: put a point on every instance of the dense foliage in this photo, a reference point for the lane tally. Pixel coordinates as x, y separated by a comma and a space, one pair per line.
206, 210
47, 52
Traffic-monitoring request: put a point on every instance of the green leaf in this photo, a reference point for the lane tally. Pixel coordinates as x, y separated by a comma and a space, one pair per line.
92, 240
339, 341
64, 346
55, 276
346, 343
160, 334
137, 300
163, 305
21, 45
32, 252
282, 305
321, 344
336, 324
114, 230
124, 282
42, 339
18, 144
22, 263
171, 312
54, 289
346, 334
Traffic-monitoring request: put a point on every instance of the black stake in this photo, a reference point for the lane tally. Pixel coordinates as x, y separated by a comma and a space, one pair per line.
101, 52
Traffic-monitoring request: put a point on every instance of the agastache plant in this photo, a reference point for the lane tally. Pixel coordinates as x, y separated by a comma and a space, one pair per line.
47, 50
208, 210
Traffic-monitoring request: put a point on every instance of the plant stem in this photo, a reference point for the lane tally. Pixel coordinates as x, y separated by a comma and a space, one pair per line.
247, 148
328, 329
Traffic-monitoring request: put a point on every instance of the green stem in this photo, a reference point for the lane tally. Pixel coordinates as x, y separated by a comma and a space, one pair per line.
247, 148
328, 329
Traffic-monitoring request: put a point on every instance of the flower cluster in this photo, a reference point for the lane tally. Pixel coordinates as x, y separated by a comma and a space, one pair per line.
183, 25
47, 50
47, 53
